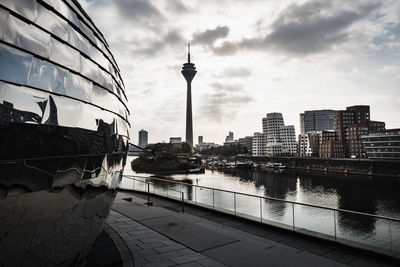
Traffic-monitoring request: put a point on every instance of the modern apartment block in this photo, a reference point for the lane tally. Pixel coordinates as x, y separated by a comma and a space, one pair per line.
316, 120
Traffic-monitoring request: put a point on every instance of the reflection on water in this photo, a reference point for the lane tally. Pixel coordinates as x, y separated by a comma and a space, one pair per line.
374, 195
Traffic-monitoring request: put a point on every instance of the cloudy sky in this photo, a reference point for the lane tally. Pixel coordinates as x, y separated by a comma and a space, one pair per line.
252, 57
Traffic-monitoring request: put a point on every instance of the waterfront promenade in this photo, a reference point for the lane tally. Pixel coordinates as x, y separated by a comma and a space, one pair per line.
161, 236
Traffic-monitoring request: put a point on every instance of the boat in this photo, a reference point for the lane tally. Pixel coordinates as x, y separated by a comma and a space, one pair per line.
275, 165
64, 132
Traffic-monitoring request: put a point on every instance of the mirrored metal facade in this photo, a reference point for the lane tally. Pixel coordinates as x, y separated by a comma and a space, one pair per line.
64, 131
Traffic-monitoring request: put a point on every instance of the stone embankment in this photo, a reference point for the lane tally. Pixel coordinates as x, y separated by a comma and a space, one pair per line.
347, 166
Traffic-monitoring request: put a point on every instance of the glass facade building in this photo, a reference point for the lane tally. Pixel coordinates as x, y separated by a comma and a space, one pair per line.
64, 131
316, 120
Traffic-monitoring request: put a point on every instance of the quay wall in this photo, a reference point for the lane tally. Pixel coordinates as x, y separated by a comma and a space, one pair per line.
348, 166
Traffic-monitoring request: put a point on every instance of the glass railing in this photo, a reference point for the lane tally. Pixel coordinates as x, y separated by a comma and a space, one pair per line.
366, 231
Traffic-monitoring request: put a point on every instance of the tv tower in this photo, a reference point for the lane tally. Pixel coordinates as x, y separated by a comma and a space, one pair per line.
189, 71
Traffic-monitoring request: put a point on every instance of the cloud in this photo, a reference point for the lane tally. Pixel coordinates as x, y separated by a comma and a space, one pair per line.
177, 6
237, 72
227, 48
224, 102
304, 29
136, 8
152, 47
311, 27
208, 37
227, 87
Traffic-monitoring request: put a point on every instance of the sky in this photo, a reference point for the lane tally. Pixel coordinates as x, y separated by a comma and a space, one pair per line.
253, 57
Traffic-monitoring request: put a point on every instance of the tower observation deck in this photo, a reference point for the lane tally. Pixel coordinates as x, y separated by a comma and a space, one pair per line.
189, 71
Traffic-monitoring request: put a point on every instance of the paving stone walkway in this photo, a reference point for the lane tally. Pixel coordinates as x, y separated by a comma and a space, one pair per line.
149, 248
161, 236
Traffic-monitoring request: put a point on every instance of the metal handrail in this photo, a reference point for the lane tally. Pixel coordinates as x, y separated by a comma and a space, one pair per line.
269, 198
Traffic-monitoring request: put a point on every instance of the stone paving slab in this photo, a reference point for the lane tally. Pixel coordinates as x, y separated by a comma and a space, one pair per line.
150, 248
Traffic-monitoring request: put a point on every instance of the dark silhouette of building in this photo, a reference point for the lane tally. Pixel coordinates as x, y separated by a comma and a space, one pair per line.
143, 138
200, 139
189, 71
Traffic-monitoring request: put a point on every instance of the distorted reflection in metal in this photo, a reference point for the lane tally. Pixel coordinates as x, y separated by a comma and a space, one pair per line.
64, 130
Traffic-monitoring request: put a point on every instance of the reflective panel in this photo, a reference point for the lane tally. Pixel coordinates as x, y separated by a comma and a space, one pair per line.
64, 55
49, 77
27, 37
51, 22
26, 8
3, 21
14, 65
79, 88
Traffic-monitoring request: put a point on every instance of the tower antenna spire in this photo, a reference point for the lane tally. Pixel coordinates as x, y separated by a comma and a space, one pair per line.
188, 52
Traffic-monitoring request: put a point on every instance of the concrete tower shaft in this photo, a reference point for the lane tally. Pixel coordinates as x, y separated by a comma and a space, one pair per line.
189, 71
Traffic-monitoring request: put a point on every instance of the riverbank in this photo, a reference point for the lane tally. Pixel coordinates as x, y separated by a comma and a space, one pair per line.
346, 166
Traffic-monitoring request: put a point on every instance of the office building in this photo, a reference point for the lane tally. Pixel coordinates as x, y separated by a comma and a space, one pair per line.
316, 120
200, 139
383, 144
143, 138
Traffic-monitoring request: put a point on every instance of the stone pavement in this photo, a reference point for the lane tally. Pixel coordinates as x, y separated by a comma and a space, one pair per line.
160, 236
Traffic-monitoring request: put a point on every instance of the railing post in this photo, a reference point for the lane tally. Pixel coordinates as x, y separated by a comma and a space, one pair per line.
334, 223
195, 195
293, 216
234, 202
183, 201
391, 239
260, 209
148, 194
213, 200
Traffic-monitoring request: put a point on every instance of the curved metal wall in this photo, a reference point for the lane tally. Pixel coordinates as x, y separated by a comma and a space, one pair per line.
64, 131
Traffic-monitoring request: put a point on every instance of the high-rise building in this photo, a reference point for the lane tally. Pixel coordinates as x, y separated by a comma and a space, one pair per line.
229, 137
200, 139
143, 138
189, 71
316, 120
